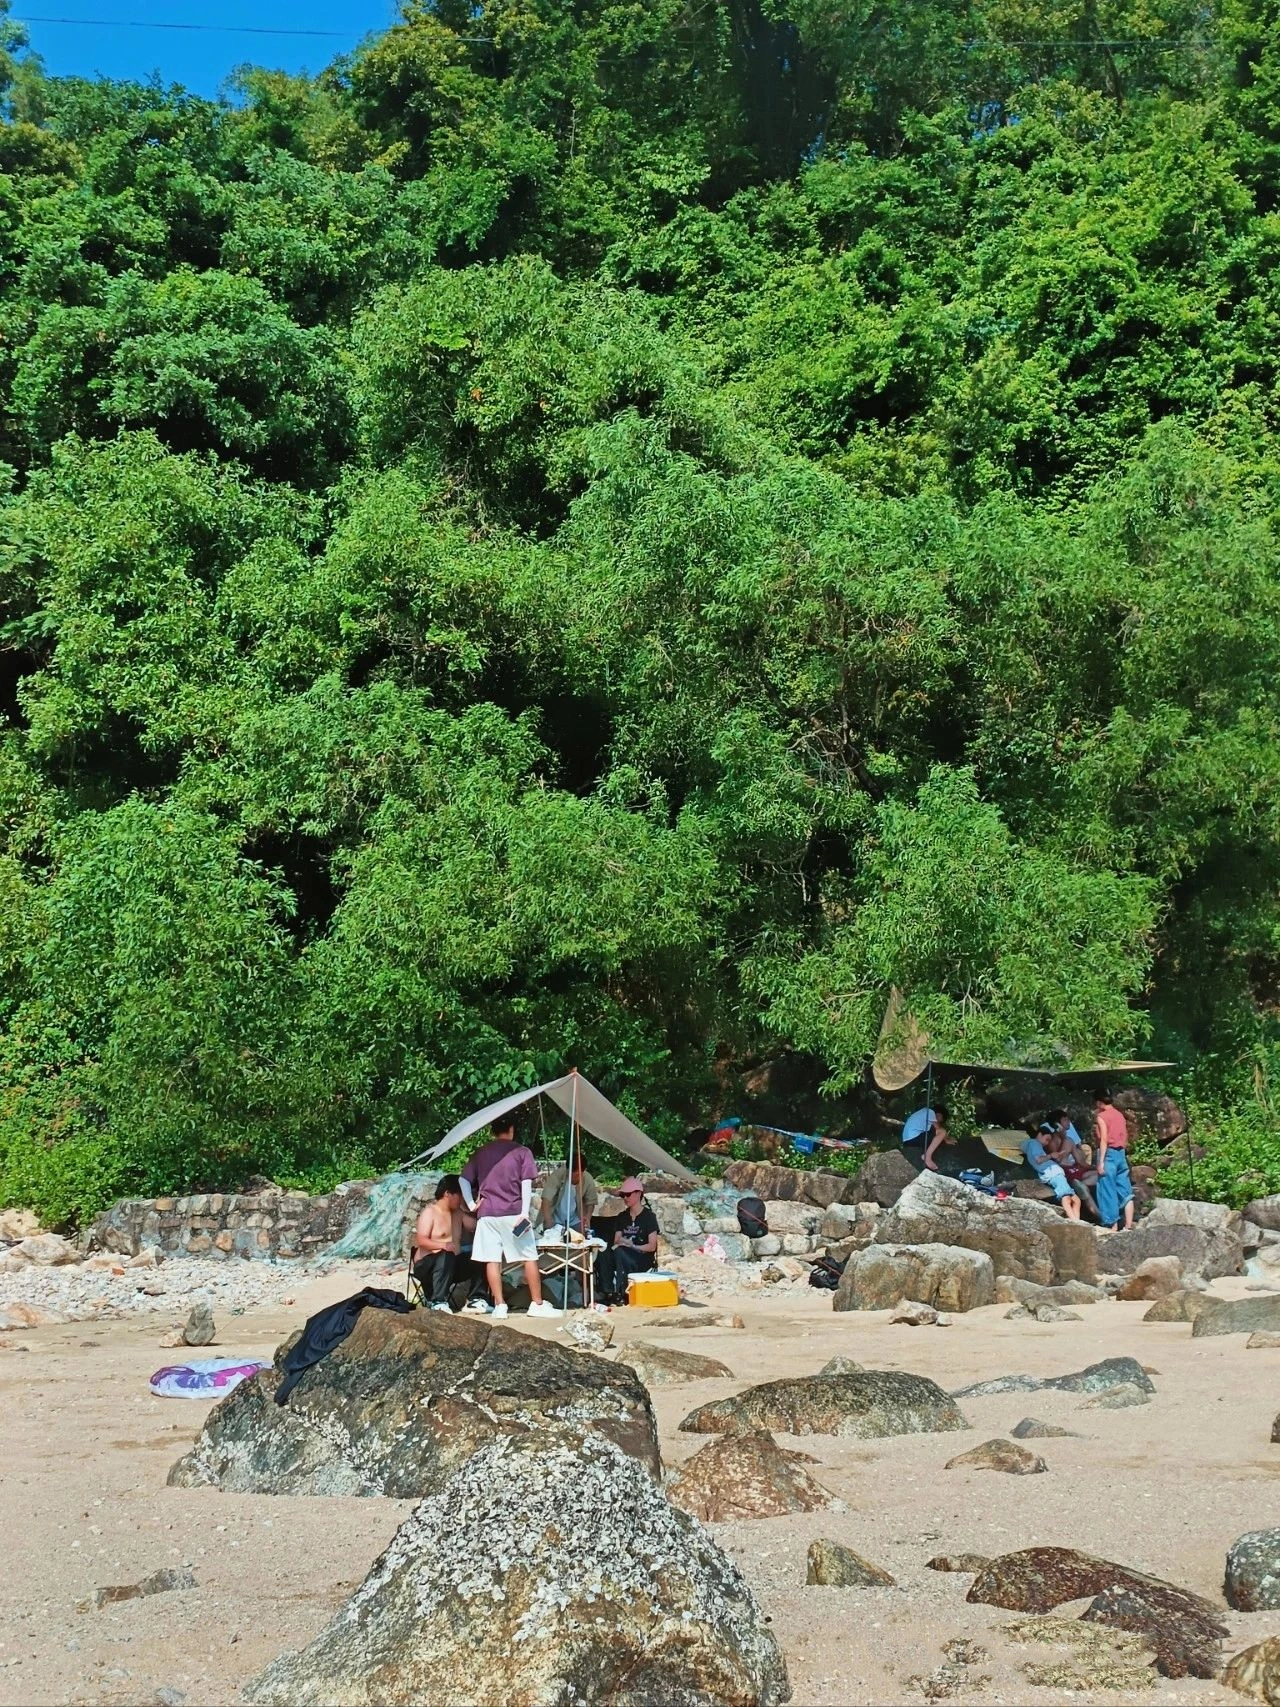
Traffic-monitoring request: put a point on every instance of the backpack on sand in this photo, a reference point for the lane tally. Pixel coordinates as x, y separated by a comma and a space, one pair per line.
825, 1273
751, 1217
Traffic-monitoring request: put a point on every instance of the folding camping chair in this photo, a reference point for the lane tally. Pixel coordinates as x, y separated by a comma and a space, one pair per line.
412, 1285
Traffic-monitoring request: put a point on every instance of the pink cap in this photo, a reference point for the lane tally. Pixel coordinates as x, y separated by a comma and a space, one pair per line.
629, 1185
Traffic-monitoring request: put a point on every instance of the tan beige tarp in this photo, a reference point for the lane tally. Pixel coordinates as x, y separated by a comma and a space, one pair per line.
904, 1050
580, 1099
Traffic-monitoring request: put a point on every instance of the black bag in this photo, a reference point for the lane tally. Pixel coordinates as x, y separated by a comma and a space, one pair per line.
825, 1273
751, 1217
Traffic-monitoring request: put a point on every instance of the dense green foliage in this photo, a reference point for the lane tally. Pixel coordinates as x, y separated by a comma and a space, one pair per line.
613, 534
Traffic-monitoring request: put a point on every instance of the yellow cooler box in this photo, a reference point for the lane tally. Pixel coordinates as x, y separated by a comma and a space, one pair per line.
653, 1291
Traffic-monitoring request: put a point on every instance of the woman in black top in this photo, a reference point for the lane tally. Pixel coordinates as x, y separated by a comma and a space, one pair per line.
634, 1249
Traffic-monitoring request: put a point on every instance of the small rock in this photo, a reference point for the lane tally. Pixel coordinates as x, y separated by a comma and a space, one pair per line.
1098, 1377
1031, 1428
1012, 1291
1000, 1384
999, 1455
1263, 1342
912, 1315
159, 1582
657, 1366
744, 1476
150, 1256
17, 1225
1052, 1313
1187, 1641
1253, 1572
20, 1315
1037, 1579
47, 1250
199, 1329
1256, 1671
1117, 1398
1238, 1316
168, 1696
835, 1566
868, 1405
973, 1562
1181, 1306
590, 1333
840, 1365
1155, 1278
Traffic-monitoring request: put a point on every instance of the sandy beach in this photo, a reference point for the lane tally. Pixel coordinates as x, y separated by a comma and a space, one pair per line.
1165, 1487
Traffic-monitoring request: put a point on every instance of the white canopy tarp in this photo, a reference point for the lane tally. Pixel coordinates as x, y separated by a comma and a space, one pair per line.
579, 1099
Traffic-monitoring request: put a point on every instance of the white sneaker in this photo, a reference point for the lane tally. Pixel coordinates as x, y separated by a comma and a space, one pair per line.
448, 1309
497, 1310
479, 1307
544, 1309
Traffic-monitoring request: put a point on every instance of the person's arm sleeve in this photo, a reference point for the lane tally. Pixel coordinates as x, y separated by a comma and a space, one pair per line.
526, 1196
468, 1195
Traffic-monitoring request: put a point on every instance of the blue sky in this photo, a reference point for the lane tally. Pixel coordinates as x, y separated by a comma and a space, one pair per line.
200, 60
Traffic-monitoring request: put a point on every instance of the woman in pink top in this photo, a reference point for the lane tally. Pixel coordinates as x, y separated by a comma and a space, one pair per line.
1114, 1190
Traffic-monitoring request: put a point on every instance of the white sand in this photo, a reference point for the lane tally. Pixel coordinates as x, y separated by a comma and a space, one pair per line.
1167, 1487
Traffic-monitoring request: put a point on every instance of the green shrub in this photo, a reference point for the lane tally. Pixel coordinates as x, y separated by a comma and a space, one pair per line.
848, 1162
1241, 1160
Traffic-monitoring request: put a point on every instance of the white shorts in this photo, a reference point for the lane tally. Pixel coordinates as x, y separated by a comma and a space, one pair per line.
496, 1240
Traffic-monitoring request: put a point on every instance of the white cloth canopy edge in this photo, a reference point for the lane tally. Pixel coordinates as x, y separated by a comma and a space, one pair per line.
594, 1112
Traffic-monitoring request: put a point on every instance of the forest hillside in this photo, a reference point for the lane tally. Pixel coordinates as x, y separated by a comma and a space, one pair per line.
612, 533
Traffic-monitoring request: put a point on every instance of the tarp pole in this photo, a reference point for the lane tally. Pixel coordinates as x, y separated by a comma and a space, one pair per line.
573, 1130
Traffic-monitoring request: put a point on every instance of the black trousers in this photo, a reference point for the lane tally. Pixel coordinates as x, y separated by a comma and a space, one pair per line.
613, 1267
473, 1272
434, 1273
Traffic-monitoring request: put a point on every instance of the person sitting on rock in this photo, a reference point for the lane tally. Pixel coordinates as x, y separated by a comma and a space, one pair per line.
1063, 1125
437, 1240
927, 1126
1114, 1189
634, 1249
1065, 1148
1047, 1171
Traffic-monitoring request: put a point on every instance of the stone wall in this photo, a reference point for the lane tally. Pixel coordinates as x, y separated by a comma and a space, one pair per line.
794, 1229
256, 1225
274, 1223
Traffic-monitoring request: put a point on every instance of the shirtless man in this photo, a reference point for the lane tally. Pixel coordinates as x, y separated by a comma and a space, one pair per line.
437, 1239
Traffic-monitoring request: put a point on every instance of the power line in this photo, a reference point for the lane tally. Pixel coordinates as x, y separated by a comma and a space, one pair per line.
207, 29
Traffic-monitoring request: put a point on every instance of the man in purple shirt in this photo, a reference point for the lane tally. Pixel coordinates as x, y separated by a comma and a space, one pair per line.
497, 1183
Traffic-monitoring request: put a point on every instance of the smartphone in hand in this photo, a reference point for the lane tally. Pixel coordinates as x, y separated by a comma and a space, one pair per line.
521, 1227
